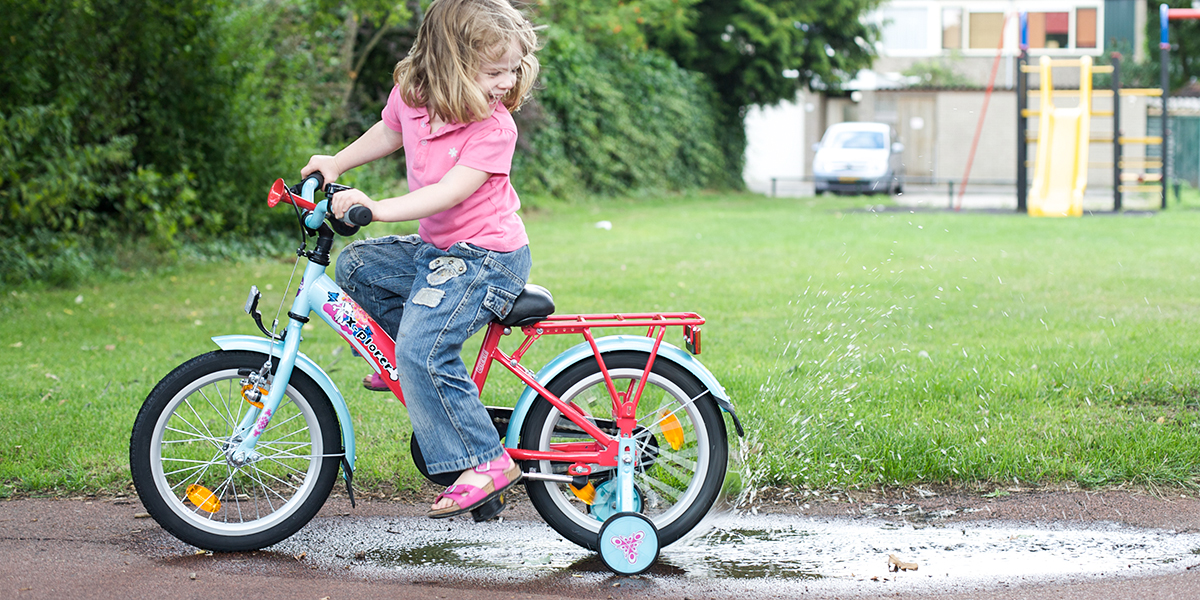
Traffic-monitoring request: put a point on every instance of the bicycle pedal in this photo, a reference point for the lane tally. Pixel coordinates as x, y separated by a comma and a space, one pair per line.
488, 510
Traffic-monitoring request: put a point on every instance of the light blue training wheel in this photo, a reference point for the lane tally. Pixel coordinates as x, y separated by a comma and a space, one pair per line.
628, 543
605, 504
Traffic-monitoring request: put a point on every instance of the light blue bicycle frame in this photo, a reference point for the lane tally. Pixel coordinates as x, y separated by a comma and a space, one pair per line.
317, 289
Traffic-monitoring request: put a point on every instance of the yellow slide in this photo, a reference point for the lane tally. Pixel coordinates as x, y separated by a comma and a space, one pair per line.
1060, 169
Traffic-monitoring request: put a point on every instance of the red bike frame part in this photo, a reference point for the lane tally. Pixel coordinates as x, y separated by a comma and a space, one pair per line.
354, 325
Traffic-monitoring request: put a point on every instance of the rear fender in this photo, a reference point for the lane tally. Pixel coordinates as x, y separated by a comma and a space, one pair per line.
583, 351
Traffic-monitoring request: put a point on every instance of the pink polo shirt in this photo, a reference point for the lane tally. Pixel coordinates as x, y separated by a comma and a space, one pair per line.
487, 218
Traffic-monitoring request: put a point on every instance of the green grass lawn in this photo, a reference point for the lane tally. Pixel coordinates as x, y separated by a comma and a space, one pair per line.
861, 348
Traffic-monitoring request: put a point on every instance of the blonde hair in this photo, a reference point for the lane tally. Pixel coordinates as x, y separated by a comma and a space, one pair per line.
453, 42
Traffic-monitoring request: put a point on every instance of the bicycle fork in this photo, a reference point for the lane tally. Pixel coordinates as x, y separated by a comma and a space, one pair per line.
240, 448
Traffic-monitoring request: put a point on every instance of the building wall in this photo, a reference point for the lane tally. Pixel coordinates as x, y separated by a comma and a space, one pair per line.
965, 34
776, 139
996, 152
938, 127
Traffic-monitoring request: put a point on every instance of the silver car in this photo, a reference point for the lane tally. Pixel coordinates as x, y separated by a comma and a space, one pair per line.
859, 158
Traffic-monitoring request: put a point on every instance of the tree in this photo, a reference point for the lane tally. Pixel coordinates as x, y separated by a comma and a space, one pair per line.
748, 50
124, 123
1185, 47
347, 36
626, 25
745, 47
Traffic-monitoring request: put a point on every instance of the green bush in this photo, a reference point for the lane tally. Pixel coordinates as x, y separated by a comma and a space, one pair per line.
128, 126
617, 121
131, 128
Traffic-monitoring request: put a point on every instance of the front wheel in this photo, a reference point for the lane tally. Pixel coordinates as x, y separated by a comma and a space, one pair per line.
178, 459
682, 446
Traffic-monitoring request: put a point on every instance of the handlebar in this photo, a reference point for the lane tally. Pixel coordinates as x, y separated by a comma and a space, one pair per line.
302, 196
358, 214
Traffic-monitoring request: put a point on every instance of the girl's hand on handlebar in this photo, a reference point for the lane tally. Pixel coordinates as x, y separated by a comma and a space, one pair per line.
343, 200
326, 164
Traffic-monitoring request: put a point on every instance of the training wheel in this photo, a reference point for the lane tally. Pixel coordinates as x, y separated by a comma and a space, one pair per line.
628, 543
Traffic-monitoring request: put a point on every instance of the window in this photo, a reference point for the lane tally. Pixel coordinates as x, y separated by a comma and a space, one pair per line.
1085, 28
986, 29
905, 28
861, 140
952, 28
1051, 30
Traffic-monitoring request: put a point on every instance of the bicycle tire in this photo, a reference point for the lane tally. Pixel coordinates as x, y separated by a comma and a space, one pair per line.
177, 442
662, 469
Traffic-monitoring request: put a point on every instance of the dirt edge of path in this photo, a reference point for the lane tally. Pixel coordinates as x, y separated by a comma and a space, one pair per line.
1176, 509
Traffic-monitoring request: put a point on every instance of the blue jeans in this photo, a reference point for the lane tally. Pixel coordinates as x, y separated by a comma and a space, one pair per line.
431, 300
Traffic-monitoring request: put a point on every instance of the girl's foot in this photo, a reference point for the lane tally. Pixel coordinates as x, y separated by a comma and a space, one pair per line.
375, 383
474, 487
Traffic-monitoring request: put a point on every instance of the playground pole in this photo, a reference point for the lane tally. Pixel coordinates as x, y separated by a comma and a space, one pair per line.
1022, 124
1116, 89
1164, 49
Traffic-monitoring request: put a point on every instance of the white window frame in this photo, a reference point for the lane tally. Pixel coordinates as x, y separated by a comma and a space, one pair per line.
1012, 32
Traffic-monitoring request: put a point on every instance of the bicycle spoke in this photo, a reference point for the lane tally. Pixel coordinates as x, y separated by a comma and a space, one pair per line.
190, 437
286, 466
196, 432
663, 488
266, 494
680, 468
225, 415
198, 464
283, 482
201, 470
270, 451
237, 502
267, 491
188, 402
275, 425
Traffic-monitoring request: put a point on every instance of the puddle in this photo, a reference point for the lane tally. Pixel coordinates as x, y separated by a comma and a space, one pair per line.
749, 552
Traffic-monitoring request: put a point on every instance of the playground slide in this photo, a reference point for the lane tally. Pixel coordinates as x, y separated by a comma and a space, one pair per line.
1060, 169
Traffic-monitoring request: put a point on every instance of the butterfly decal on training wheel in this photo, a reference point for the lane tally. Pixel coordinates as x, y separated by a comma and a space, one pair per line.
629, 544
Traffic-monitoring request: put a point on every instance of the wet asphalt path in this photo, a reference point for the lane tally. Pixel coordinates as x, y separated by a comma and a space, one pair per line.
100, 549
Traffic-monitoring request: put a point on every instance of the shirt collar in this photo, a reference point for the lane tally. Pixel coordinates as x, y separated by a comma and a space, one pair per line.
421, 115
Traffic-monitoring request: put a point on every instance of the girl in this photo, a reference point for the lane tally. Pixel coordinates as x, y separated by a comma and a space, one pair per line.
471, 64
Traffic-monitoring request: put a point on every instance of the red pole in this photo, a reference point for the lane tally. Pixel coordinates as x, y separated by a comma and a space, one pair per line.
1183, 13
982, 113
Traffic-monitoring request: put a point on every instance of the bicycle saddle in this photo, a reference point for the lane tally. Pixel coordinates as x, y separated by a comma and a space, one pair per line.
533, 304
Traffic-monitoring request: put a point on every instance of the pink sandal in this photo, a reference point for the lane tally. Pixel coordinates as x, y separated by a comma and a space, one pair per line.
375, 383
504, 473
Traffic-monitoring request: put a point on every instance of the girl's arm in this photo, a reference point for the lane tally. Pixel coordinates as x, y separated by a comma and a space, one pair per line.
378, 141
458, 184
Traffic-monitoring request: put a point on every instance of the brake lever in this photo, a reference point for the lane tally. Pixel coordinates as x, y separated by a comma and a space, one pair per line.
333, 188
357, 216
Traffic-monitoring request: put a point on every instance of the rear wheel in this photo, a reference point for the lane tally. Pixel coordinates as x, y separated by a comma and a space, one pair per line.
178, 446
682, 446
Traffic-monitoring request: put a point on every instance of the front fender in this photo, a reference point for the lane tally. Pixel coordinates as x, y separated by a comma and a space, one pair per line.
310, 368
583, 351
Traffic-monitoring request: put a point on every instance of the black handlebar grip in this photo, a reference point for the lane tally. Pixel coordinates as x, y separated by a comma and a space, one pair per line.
315, 175
359, 215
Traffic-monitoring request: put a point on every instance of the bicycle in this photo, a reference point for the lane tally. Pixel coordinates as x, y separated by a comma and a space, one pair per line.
621, 438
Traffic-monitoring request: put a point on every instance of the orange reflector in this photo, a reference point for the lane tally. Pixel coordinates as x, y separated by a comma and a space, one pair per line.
671, 429
203, 498
587, 494
261, 391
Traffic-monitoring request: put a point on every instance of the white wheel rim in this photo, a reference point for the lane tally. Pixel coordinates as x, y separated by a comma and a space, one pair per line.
681, 406
245, 510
